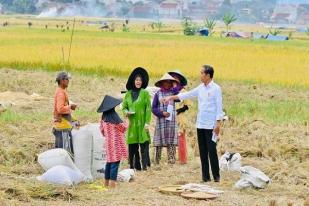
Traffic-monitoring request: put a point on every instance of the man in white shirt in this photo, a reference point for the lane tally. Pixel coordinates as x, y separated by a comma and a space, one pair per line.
208, 121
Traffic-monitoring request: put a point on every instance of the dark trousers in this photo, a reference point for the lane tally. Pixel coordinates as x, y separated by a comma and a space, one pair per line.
145, 155
134, 158
64, 139
208, 149
111, 170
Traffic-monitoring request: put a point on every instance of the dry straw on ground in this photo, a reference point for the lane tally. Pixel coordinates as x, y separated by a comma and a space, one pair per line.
278, 149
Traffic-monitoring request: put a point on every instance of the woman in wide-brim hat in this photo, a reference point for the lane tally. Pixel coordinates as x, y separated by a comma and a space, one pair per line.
165, 130
182, 121
137, 107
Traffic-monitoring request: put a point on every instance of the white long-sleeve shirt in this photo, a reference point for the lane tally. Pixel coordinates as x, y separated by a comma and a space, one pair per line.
209, 104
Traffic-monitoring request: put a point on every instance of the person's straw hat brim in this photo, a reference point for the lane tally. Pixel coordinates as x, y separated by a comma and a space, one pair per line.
182, 78
166, 77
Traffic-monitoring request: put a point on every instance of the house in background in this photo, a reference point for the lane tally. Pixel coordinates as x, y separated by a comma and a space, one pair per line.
196, 9
170, 9
212, 6
144, 10
284, 13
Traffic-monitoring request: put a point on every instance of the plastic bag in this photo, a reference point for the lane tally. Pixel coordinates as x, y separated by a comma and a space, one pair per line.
230, 162
55, 157
252, 176
62, 175
126, 175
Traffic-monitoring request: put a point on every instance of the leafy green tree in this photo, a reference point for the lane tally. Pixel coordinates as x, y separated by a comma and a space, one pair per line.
228, 19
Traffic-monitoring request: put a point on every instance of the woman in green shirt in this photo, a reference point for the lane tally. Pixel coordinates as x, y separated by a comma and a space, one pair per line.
137, 107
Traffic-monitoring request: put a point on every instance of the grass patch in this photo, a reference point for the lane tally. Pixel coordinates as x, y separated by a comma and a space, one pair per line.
285, 112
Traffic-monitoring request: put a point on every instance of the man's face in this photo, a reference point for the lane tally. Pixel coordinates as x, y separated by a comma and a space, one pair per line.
204, 77
64, 82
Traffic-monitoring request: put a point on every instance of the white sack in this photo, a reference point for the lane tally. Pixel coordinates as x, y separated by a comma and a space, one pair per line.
62, 175
98, 151
82, 144
55, 157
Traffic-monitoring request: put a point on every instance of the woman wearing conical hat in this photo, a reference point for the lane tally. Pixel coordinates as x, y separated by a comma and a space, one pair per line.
137, 107
182, 120
166, 129
113, 129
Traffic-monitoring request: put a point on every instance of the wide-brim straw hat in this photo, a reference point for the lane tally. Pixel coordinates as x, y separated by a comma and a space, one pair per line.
108, 103
166, 77
139, 71
182, 78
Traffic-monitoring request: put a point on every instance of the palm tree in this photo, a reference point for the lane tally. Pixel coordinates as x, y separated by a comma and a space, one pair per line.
210, 25
228, 19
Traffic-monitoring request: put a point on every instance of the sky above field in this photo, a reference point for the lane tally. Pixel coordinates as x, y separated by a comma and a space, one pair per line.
293, 1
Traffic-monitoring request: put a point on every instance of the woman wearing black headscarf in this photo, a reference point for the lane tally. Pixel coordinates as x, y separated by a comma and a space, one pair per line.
137, 107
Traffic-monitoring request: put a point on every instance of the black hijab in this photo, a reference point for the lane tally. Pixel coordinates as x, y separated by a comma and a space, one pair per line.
135, 91
111, 116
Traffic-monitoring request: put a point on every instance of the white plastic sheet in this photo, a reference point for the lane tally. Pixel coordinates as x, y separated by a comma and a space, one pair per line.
200, 188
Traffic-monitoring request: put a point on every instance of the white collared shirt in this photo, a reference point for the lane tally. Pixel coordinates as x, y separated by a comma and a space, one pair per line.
209, 104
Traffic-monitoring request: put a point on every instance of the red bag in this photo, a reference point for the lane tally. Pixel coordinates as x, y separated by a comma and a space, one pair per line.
182, 148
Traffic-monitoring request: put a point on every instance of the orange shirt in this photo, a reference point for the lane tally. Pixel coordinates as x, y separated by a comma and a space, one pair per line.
61, 106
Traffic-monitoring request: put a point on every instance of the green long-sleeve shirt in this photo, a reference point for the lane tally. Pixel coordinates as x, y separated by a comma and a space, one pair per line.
136, 132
